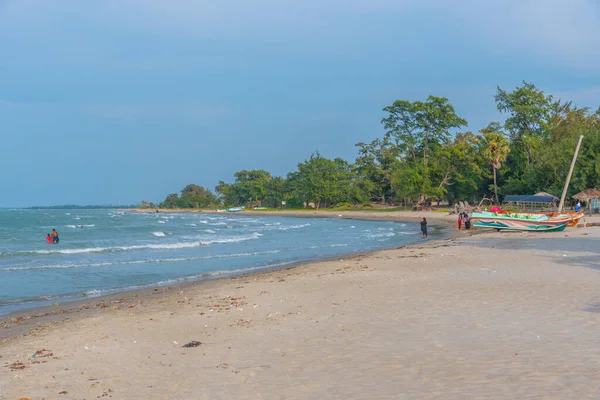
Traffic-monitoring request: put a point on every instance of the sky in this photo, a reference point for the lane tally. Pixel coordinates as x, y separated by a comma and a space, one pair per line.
115, 101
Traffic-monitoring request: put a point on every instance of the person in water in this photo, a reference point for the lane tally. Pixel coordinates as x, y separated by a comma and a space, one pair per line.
49, 239
424, 227
55, 238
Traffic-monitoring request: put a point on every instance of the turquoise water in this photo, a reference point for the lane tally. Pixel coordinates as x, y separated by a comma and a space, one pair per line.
105, 251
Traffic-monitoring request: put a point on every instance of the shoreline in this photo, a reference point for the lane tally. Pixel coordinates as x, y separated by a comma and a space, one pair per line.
475, 316
19, 322
437, 216
22, 322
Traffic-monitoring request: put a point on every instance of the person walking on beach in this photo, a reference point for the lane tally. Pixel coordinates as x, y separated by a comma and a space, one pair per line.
54, 235
424, 227
467, 221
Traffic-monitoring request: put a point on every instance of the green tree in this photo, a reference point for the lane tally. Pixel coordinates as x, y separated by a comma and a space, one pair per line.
275, 192
322, 181
374, 164
457, 171
170, 201
528, 111
495, 149
418, 129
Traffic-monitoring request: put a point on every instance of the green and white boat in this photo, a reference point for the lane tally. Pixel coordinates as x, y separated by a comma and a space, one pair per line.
520, 222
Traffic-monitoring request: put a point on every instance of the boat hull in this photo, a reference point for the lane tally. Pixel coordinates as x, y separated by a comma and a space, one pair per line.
521, 222
503, 225
575, 216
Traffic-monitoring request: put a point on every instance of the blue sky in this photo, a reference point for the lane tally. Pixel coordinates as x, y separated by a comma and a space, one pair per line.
121, 100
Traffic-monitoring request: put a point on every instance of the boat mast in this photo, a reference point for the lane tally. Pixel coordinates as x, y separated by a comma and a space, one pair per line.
564, 193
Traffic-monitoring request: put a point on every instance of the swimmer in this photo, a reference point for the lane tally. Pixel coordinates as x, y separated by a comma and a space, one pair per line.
55, 238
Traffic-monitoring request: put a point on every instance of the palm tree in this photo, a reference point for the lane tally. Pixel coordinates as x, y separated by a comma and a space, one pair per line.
495, 149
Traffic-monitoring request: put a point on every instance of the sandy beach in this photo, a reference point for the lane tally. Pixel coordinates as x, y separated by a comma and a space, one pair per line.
500, 315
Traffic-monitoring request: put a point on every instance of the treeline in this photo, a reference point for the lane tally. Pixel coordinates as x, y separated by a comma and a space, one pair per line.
419, 160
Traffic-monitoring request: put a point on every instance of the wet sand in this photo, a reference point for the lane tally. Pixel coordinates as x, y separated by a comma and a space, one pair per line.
501, 315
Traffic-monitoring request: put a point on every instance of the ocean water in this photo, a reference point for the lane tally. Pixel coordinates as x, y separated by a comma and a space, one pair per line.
106, 251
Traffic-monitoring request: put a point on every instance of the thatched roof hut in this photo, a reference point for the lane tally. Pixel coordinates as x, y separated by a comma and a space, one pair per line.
592, 197
587, 195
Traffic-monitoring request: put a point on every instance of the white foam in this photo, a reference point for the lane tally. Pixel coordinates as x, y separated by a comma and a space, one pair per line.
164, 246
38, 267
381, 234
146, 261
234, 239
95, 293
160, 234
285, 228
209, 231
162, 222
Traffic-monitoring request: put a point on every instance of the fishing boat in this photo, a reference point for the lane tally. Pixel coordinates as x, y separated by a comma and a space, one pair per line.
574, 215
235, 209
520, 221
542, 222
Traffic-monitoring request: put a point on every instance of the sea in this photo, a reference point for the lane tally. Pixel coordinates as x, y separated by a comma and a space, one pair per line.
107, 251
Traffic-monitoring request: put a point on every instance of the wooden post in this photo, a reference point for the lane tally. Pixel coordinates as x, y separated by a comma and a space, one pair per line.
564, 193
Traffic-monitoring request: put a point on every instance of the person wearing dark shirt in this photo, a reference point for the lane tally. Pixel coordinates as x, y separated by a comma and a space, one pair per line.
424, 227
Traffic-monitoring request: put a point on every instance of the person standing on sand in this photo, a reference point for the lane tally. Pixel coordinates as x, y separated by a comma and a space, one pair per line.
460, 221
424, 227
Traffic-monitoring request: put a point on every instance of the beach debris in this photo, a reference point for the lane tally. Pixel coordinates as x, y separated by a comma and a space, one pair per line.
42, 353
131, 307
175, 343
24, 398
193, 343
63, 392
16, 366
